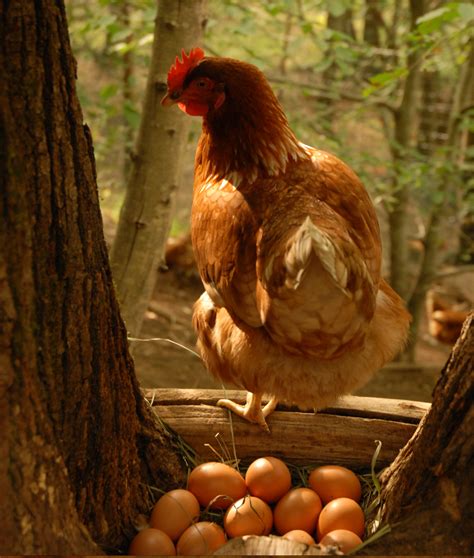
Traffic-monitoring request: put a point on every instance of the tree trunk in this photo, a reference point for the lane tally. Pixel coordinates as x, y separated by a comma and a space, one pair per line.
429, 266
373, 23
406, 126
427, 491
449, 182
342, 23
145, 216
127, 63
79, 446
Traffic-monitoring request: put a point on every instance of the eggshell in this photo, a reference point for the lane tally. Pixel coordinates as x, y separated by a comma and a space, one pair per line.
333, 481
300, 536
341, 513
202, 538
298, 509
174, 512
268, 478
212, 479
248, 516
345, 540
151, 542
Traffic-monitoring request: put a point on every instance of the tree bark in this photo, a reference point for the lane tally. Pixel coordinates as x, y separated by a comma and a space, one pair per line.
427, 491
145, 216
78, 444
405, 136
449, 187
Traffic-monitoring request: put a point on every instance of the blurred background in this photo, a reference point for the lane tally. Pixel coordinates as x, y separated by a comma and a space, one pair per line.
387, 85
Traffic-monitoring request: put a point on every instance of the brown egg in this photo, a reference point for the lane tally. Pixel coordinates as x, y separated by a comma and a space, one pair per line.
174, 512
333, 481
298, 509
300, 536
341, 513
201, 539
345, 540
248, 516
268, 478
210, 480
151, 542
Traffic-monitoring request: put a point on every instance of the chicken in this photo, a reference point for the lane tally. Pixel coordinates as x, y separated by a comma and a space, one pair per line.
287, 245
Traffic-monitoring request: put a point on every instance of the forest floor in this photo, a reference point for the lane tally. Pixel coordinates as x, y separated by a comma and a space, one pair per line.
162, 364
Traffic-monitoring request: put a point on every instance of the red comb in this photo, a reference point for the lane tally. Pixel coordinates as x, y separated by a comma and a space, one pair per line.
178, 72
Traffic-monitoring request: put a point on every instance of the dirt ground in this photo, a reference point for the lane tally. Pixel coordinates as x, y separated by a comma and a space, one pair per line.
162, 364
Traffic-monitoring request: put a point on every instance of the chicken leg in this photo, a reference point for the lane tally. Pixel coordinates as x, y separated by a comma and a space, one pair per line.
252, 410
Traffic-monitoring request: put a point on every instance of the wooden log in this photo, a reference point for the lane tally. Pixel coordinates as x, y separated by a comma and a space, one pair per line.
343, 434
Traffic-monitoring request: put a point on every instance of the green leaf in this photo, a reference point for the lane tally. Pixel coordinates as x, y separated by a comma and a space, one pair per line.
108, 91
105, 21
466, 11
132, 116
434, 14
438, 197
120, 35
146, 39
385, 78
337, 7
434, 20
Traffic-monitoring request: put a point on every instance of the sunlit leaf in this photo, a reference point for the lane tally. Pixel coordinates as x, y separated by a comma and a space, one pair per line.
338, 7
439, 13
109, 91
466, 11
385, 78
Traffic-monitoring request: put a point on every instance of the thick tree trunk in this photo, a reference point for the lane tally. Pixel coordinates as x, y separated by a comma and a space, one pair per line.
145, 216
78, 445
427, 491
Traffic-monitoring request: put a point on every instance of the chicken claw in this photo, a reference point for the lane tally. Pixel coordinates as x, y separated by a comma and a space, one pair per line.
252, 410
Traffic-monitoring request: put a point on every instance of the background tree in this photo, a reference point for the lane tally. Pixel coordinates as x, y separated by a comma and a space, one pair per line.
145, 216
79, 446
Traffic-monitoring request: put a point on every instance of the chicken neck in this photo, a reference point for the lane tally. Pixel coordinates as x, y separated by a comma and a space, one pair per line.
247, 139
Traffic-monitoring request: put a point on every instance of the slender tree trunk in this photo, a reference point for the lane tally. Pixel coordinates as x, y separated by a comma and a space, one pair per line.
429, 266
427, 491
405, 138
127, 90
373, 23
342, 23
78, 445
145, 216
463, 97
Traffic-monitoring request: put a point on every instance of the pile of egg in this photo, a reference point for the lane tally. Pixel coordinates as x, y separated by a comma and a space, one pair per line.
263, 502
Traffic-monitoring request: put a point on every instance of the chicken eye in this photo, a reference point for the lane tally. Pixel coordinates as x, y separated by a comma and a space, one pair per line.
202, 83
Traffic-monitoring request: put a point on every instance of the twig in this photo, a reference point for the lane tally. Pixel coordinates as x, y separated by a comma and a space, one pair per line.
166, 341
333, 95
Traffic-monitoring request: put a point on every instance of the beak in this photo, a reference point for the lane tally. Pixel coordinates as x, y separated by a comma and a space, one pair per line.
167, 101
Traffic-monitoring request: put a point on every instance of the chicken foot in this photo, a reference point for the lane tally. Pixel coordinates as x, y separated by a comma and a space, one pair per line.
252, 410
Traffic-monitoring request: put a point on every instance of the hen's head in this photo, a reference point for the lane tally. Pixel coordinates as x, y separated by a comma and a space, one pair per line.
200, 85
194, 94
245, 128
